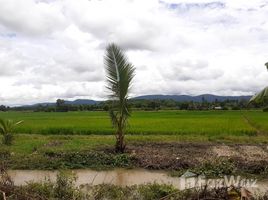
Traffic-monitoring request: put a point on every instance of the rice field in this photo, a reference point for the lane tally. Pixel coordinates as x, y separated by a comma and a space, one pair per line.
206, 123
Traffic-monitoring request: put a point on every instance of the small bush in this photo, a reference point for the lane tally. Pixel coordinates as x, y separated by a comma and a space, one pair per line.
265, 109
122, 160
217, 167
43, 189
4, 154
65, 187
35, 161
107, 191
51, 159
91, 159
6, 129
155, 191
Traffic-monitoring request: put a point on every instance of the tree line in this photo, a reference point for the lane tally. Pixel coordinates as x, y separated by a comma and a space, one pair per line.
139, 104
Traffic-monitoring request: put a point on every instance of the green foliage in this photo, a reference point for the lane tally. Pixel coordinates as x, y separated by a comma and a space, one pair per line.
35, 161
261, 97
138, 104
47, 190
8, 139
265, 109
155, 191
119, 75
152, 191
63, 189
94, 159
107, 191
65, 186
42, 189
70, 160
158, 191
215, 168
4, 154
6, 129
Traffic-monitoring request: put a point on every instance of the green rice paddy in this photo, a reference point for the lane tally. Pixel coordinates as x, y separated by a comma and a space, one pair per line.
206, 123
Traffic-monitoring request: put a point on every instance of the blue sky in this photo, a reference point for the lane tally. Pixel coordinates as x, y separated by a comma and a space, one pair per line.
54, 49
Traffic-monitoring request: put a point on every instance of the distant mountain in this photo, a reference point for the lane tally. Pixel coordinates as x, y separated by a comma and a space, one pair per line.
179, 98
75, 102
82, 102
199, 98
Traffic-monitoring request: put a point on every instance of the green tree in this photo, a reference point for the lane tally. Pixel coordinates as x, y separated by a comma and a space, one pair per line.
119, 75
59, 103
6, 129
61, 106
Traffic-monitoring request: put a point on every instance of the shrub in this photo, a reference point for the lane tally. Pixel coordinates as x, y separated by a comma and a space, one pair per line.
43, 189
4, 154
218, 167
155, 191
65, 186
6, 128
63, 189
265, 109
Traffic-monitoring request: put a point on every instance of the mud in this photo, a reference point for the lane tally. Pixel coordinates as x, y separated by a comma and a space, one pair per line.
187, 155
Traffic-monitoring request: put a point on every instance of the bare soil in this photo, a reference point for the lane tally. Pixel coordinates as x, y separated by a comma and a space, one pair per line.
187, 155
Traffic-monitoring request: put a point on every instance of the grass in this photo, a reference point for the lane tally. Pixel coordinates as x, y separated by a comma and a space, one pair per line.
259, 121
26, 143
31, 151
208, 123
50, 140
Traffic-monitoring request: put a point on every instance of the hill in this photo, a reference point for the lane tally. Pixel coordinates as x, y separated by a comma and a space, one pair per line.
188, 98
178, 98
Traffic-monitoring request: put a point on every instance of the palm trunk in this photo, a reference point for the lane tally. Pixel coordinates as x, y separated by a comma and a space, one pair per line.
120, 139
120, 145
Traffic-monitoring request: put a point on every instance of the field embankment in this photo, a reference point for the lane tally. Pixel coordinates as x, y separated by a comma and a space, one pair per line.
172, 153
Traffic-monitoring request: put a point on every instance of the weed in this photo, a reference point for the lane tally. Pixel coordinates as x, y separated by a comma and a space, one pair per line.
155, 191
217, 167
65, 186
4, 154
63, 189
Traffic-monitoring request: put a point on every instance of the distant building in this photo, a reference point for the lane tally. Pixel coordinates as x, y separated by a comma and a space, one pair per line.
217, 108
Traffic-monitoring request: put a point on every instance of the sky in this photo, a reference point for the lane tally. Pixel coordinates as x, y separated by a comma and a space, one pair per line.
52, 49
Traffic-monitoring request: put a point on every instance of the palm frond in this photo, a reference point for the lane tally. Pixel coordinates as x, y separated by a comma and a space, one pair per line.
113, 117
120, 73
3, 126
261, 97
7, 125
19, 122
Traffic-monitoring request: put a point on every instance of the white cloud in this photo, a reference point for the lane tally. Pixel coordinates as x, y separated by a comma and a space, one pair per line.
31, 17
54, 49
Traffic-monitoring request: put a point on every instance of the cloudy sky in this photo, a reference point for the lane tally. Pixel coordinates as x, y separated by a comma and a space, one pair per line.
54, 49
